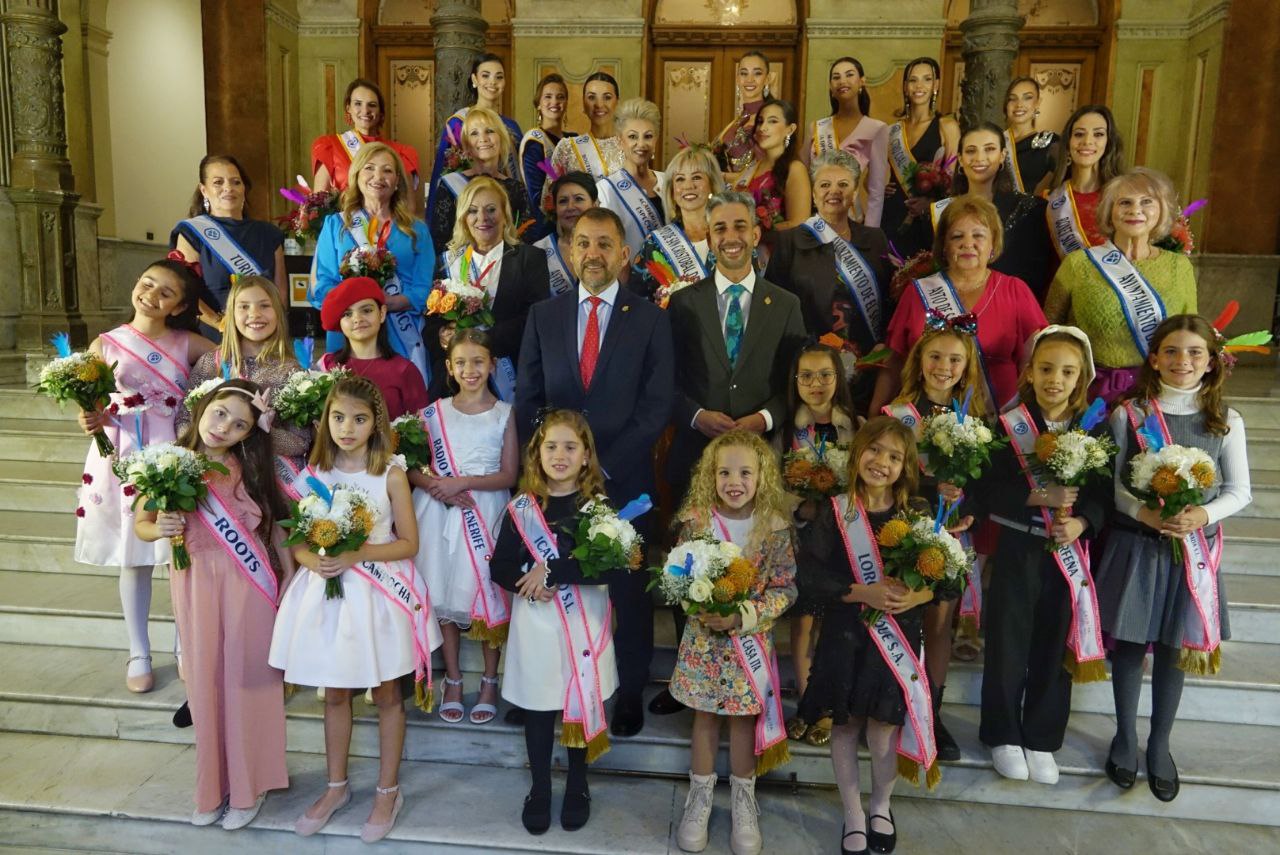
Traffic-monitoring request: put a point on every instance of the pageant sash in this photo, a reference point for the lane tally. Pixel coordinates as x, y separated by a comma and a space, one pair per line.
293, 479
1011, 161
637, 210
900, 157
824, 136
853, 271
533, 135
590, 158
151, 357
909, 416
760, 666
454, 138
916, 747
936, 209
562, 279
937, 293
584, 701
243, 548
680, 253
504, 373
1085, 636
350, 141
490, 604
1064, 221
1201, 622
402, 327
456, 182
1142, 306
223, 246
402, 585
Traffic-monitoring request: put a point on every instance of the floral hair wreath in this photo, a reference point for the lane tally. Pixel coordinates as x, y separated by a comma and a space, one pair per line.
259, 400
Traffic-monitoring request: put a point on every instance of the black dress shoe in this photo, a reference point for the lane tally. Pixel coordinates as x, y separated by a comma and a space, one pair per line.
182, 718
845, 835
1164, 789
628, 717
664, 703
576, 810
948, 749
536, 815
1122, 778
879, 841
515, 716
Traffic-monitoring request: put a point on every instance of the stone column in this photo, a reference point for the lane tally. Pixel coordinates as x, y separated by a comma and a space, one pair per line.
990, 48
236, 97
458, 36
38, 208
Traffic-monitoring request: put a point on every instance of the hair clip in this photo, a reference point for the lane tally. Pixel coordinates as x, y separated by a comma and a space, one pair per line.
966, 323
193, 266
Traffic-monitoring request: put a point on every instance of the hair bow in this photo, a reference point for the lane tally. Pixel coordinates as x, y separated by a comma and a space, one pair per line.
966, 323
262, 401
193, 266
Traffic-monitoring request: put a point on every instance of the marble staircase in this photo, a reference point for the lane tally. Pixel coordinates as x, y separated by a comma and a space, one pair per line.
62, 649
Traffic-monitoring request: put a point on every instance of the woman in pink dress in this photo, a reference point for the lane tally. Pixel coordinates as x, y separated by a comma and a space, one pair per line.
850, 128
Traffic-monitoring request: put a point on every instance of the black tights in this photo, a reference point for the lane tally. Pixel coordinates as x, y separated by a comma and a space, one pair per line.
1166, 694
539, 739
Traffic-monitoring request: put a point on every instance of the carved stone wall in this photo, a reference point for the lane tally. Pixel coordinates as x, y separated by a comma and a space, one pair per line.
990, 48
458, 35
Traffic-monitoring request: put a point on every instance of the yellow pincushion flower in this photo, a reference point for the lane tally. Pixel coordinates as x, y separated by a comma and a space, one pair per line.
1046, 445
742, 573
723, 590
323, 534
1203, 473
931, 563
88, 372
892, 533
1165, 481
362, 519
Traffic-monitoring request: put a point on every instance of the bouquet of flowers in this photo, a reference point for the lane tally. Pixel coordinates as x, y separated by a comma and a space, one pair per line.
921, 554
300, 399
959, 445
376, 262
193, 397
330, 521
606, 539
172, 479
705, 575
82, 378
769, 212
411, 440
305, 221
1170, 478
816, 471
665, 275
907, 270
929, 179
461, 303
455, 160
1180, 238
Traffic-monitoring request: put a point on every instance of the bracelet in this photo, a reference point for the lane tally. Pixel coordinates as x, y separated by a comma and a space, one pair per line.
546, 580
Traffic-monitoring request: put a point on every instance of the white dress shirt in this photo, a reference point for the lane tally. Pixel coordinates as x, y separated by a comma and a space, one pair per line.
603, 311
722, 306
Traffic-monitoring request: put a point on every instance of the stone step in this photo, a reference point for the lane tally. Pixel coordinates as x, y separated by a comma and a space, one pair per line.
1257, 411
43, 440
23, 402
1238, 766
472, 810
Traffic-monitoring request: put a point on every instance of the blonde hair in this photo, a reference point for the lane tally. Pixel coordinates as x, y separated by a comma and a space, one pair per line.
637, 108
1143, 180
968, 205
275, 348
378, 451
478, 115
697, 158
913, 371
533, 480
905, 487
461, 233
1078, 400
770, 502
352, 199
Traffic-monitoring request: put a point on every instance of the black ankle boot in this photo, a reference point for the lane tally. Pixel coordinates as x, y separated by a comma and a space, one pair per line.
948, 749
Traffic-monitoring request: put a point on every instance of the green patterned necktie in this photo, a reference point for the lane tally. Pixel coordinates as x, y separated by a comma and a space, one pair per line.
733, 325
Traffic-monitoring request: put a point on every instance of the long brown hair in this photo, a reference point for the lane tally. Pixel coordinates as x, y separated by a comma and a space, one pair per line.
534, 481
1078, 400
1148, 385
1110, 164
770, 503
841, 399
378, 452
256, 459
913, 371
905, 487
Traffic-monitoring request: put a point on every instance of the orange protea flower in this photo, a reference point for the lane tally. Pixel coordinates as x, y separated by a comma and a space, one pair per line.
822, 479
636, 558
931, 563
1046, 445
743, 574
362, 520
1203, 473
892, 533
723, 590
799, 470
1165, 481
88, 372
323, 534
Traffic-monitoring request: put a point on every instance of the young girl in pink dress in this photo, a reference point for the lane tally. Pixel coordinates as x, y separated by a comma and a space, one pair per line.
153, 354
225, 605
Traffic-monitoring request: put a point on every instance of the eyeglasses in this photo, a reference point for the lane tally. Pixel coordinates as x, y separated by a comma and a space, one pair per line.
822, 378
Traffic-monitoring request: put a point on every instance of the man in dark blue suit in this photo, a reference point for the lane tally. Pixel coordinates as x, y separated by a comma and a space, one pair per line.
607, 352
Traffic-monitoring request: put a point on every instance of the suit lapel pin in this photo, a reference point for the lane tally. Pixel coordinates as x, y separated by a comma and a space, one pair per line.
626, 308
768, 300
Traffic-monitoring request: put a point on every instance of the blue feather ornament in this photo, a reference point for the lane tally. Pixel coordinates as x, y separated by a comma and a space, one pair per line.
62, 344
1094, 415
321, 489
1151, 431
634, 508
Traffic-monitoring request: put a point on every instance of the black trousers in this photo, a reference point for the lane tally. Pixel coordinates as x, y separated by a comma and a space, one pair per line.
1026, 691
633, 607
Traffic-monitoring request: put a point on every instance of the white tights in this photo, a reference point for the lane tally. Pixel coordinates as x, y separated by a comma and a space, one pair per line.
135, 599
884, 768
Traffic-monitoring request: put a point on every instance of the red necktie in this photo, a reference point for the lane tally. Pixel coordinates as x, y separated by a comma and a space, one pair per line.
590, 344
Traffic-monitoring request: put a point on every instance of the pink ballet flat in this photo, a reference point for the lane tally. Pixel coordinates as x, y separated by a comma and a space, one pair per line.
371, 833
142, 683
306, 826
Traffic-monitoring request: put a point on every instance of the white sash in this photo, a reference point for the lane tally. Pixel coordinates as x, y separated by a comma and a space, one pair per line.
1064, 221
916, 747
1085, 636
590, 158
761, 670
504, 373
1011, 161
900, 156
584, 701
223, 246
1142, 306
936, 209
562, 279
937, 293
854, 272
456, 182
153, 358
490, 605
1201, 622
241, 547
824, 136
401, 583
402, 327
680, 253
351, 143
292, 480
637, 211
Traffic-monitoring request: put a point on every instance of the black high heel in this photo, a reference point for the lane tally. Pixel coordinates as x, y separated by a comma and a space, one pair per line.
878, 840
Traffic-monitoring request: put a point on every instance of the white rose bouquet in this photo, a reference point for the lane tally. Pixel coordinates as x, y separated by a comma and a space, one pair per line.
606, 539
300, 399
1170, 479
959, 445
330, 521
170, 478
703, 574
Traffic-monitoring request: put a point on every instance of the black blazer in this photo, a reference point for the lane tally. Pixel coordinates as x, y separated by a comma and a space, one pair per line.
632, 391
522, 281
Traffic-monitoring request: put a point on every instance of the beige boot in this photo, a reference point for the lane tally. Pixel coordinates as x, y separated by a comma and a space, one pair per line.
745, 838
691, 836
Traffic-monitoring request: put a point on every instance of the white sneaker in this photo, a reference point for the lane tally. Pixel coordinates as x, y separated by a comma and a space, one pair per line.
1042, 767
240, 817
1010, 762
691, 836
745, 837
208, 817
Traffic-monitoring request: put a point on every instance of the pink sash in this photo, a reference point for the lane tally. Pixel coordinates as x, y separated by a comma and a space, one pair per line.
170, 371
400, 583
292, 479
242, 548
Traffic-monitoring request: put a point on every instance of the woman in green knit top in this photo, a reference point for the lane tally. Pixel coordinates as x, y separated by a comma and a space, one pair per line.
1120, 291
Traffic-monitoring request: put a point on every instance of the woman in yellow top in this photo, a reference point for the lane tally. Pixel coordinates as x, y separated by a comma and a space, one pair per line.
1120, 291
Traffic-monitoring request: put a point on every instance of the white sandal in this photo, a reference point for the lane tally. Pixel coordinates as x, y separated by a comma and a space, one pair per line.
451, 707
484, 709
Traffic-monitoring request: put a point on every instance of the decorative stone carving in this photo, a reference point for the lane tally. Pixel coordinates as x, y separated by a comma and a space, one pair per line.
990, 48
458, 35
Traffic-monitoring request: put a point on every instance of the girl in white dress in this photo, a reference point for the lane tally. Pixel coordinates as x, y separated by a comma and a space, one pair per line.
460, 499
369, 636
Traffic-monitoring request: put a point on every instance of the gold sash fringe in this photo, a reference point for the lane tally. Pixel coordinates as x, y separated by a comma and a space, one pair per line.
909, 770
1199, 662
494, 636
773, 757
423, 696
573, 736
1093, 671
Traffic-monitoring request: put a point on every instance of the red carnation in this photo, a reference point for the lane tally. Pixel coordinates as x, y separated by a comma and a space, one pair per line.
129, 489
170, 401
80, 512
86, 478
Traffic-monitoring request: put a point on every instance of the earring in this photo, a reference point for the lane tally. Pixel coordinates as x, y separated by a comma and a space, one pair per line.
766, 90
206, 204
933, 99
787, 144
